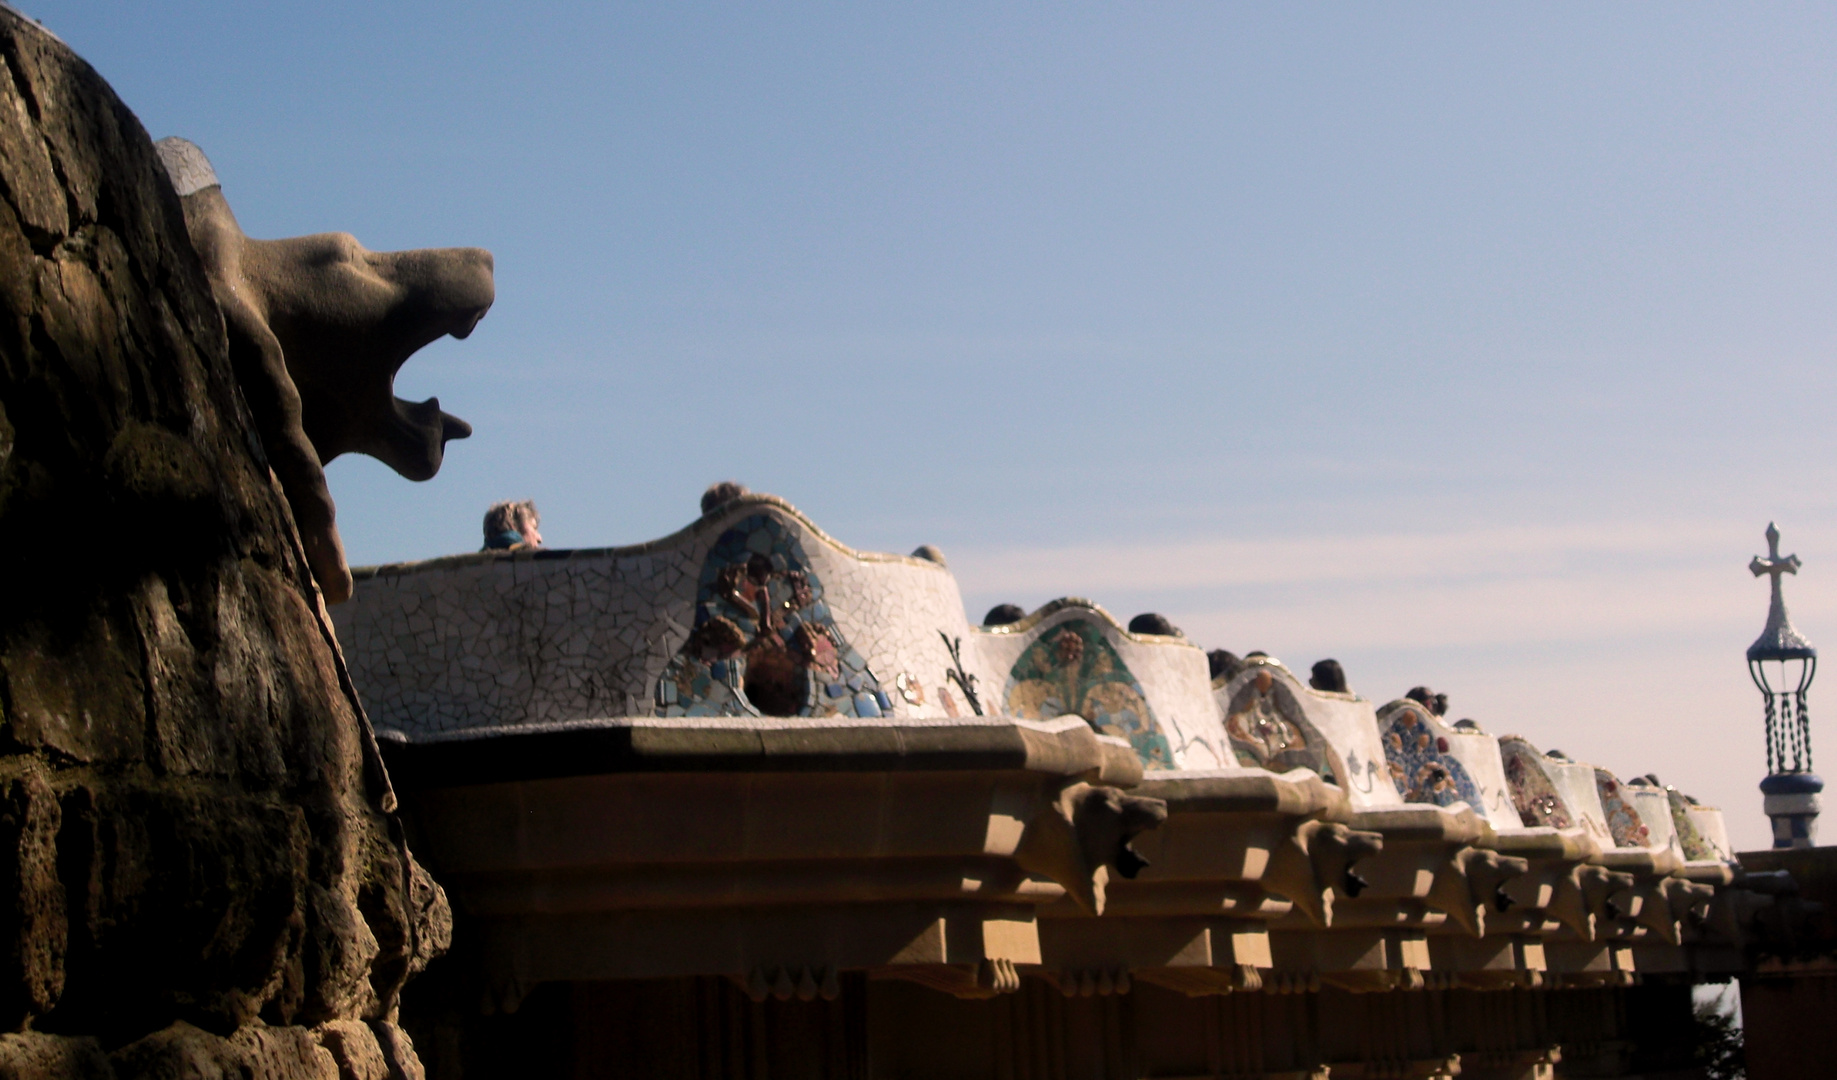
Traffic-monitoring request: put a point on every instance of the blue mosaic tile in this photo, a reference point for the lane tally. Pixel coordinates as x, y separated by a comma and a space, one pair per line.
1074, 663
886, 703
1420, 764
763, 641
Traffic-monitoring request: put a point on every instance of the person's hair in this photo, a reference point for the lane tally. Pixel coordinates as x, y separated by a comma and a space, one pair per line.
720, 494
1435, 703
1328, 676
509, 515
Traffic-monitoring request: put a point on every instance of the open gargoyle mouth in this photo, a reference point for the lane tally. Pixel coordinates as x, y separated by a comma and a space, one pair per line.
1353, 884
1128, 863
318, 327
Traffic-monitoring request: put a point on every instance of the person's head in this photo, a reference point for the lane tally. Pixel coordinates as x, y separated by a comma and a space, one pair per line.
1328, 676
514, 516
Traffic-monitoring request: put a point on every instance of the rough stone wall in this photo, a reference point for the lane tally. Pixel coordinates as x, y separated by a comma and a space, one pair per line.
201, 871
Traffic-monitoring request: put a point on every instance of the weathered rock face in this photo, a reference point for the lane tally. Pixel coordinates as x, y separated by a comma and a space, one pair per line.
197, 843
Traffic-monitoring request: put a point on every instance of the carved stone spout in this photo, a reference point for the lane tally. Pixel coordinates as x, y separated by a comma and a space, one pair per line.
318, 327
1471, 885
1317, 859
1085, 834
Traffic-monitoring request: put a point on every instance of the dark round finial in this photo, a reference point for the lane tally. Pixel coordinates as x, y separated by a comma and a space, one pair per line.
930, 553
1153, 622
1003, 614
720, 494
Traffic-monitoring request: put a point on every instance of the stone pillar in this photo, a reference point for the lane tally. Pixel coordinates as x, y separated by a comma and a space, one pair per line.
1791, 801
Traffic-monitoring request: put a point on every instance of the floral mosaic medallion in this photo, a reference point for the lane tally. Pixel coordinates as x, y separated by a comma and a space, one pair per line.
1267, 728
1623, 822
763, 643
1421, 765
1533, 795
1072, 668
1690, 838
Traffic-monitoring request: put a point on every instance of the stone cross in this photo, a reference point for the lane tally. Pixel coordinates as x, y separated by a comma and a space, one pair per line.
1779, 641
1773, 564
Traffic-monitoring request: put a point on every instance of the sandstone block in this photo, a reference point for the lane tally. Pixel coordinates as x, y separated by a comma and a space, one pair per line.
32, 1055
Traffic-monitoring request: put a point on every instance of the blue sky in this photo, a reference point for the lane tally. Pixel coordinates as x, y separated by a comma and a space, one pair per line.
1471, 345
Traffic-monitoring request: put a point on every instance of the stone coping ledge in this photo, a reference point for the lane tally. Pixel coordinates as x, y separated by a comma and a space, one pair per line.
1643, 861
1421, 821
1065, 746
1545, 842
1245, 790
1121, 766
1708, 872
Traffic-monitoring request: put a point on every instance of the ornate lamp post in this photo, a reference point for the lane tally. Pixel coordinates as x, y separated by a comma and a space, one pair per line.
1782, 663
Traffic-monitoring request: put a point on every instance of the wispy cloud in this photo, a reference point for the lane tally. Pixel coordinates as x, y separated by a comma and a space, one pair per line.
1518, 583
1353, 556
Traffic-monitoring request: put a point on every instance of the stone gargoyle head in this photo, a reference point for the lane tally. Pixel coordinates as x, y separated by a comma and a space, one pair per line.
318, 327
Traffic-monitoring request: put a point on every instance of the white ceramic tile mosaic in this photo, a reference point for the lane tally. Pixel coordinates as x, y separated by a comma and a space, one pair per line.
1575, 783
1480, 754
1654, 809
507, 640
1172, 675
1346, 723
493, 640
1713, 829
